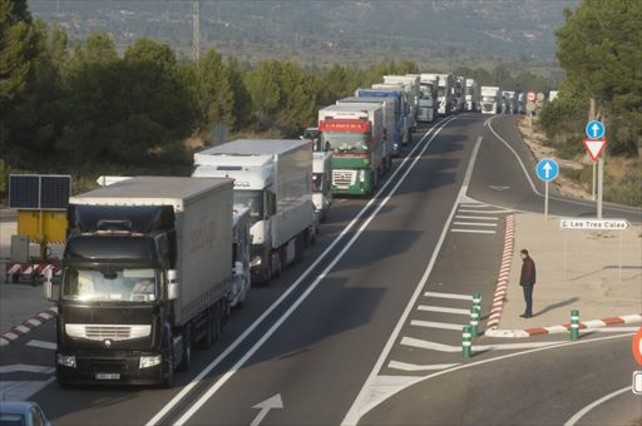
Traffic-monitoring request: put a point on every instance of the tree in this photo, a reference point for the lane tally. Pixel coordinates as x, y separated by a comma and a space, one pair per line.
600, 47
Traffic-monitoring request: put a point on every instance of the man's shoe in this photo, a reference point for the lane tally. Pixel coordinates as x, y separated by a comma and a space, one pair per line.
524, 316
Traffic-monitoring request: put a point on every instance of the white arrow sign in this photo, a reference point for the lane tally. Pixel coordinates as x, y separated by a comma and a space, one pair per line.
547, 169
595, 129
265, 407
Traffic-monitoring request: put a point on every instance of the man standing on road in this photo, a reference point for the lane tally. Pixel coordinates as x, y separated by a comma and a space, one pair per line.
527, 281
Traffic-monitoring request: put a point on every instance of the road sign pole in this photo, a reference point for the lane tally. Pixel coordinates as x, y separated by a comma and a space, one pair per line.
546, 201
593, 180
600, 186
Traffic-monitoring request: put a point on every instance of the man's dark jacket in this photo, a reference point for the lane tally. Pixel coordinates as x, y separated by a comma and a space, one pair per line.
528, 272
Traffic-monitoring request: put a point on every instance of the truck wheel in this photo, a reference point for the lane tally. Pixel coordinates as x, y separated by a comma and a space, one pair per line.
186, 362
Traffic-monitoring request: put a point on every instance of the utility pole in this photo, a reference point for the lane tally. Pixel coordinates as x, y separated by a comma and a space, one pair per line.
196, 48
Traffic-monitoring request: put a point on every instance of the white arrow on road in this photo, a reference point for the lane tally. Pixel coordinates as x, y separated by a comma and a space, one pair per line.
265, 407
595, 128
547, 169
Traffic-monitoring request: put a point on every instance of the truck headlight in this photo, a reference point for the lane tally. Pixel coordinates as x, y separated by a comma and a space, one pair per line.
256, 261
66, 360
149, 361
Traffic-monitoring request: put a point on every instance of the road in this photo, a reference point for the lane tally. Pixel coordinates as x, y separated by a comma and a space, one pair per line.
376, 306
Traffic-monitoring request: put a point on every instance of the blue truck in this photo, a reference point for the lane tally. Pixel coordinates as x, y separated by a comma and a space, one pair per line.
400, 133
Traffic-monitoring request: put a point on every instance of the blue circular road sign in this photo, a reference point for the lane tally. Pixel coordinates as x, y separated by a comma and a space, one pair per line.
547, 169
595, 129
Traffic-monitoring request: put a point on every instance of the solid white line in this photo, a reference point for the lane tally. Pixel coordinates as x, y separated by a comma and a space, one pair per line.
592, 405
26, 368
459, 216
440, 325
183, 393
472, 231
441, 309
42, 344
490, 225
398, 365
218, 384
609, 329
354, 413
457, 296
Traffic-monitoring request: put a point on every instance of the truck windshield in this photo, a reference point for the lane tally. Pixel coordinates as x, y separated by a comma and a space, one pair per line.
348, 142
253, 200
110, 284
426, 92
489, 99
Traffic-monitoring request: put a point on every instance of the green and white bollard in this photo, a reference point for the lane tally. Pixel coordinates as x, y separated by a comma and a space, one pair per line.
477, 299
575, 324
466, 341
474, 319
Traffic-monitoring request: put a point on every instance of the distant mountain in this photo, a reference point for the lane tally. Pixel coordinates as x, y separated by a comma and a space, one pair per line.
451, 32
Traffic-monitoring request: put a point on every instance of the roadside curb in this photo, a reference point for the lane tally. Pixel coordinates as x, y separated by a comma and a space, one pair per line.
504, 272
556, 329
28, 325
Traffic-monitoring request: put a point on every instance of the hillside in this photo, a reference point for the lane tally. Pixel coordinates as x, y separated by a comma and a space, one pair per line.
463, 32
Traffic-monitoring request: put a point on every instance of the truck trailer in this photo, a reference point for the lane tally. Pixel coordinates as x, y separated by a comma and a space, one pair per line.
445, 93
272, 178
472, 96
408, 108
401, 135
355, 135
427, 97
147, 273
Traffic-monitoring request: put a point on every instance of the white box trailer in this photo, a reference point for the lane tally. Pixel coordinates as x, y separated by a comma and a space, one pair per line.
412, 85
322, 183
490, 99
445, 93
409, 123
472, 95
272, 178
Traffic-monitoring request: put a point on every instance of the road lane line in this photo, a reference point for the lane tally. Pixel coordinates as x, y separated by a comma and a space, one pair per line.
439, 325
573, 420
468, 210
490, 225
404, 366
219, 383
472, 231
441, 347
457, 296
475, 217
444, 310
42, 344
355, 412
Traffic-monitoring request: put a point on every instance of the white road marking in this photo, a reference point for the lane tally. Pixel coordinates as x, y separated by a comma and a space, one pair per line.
475, 217
609, 330
26, 368
274, 402
472, 231
440, 325
398, 365
490, 225
443, 310
22, 390
42, 344
573, 420
434, 346
457, 296
219, 383
370, 387
368, 407
482, 211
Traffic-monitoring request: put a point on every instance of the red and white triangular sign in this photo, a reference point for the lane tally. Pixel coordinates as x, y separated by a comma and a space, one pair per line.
594, 147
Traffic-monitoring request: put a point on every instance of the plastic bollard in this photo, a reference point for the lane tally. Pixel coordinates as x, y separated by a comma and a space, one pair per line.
575, 324
466, 343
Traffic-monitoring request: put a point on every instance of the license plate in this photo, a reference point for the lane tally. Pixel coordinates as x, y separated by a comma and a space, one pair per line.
107, 376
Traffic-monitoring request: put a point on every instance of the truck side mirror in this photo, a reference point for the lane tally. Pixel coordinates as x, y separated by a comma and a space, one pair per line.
238, 268
172, 285
48, 285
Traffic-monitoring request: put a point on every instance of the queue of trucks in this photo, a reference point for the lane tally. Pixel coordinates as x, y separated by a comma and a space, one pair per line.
152, 266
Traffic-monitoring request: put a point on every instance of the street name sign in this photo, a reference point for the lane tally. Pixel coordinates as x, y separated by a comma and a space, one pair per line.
595, 224
547, 169
595, 129
594, 147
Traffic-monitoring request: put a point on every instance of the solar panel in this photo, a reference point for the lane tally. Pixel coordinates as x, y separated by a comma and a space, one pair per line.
39, 192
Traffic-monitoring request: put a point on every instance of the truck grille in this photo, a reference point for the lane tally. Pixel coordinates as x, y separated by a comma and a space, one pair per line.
100, 332
344, 178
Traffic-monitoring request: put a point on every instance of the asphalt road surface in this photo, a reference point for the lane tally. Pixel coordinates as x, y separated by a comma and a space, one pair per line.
350, 334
